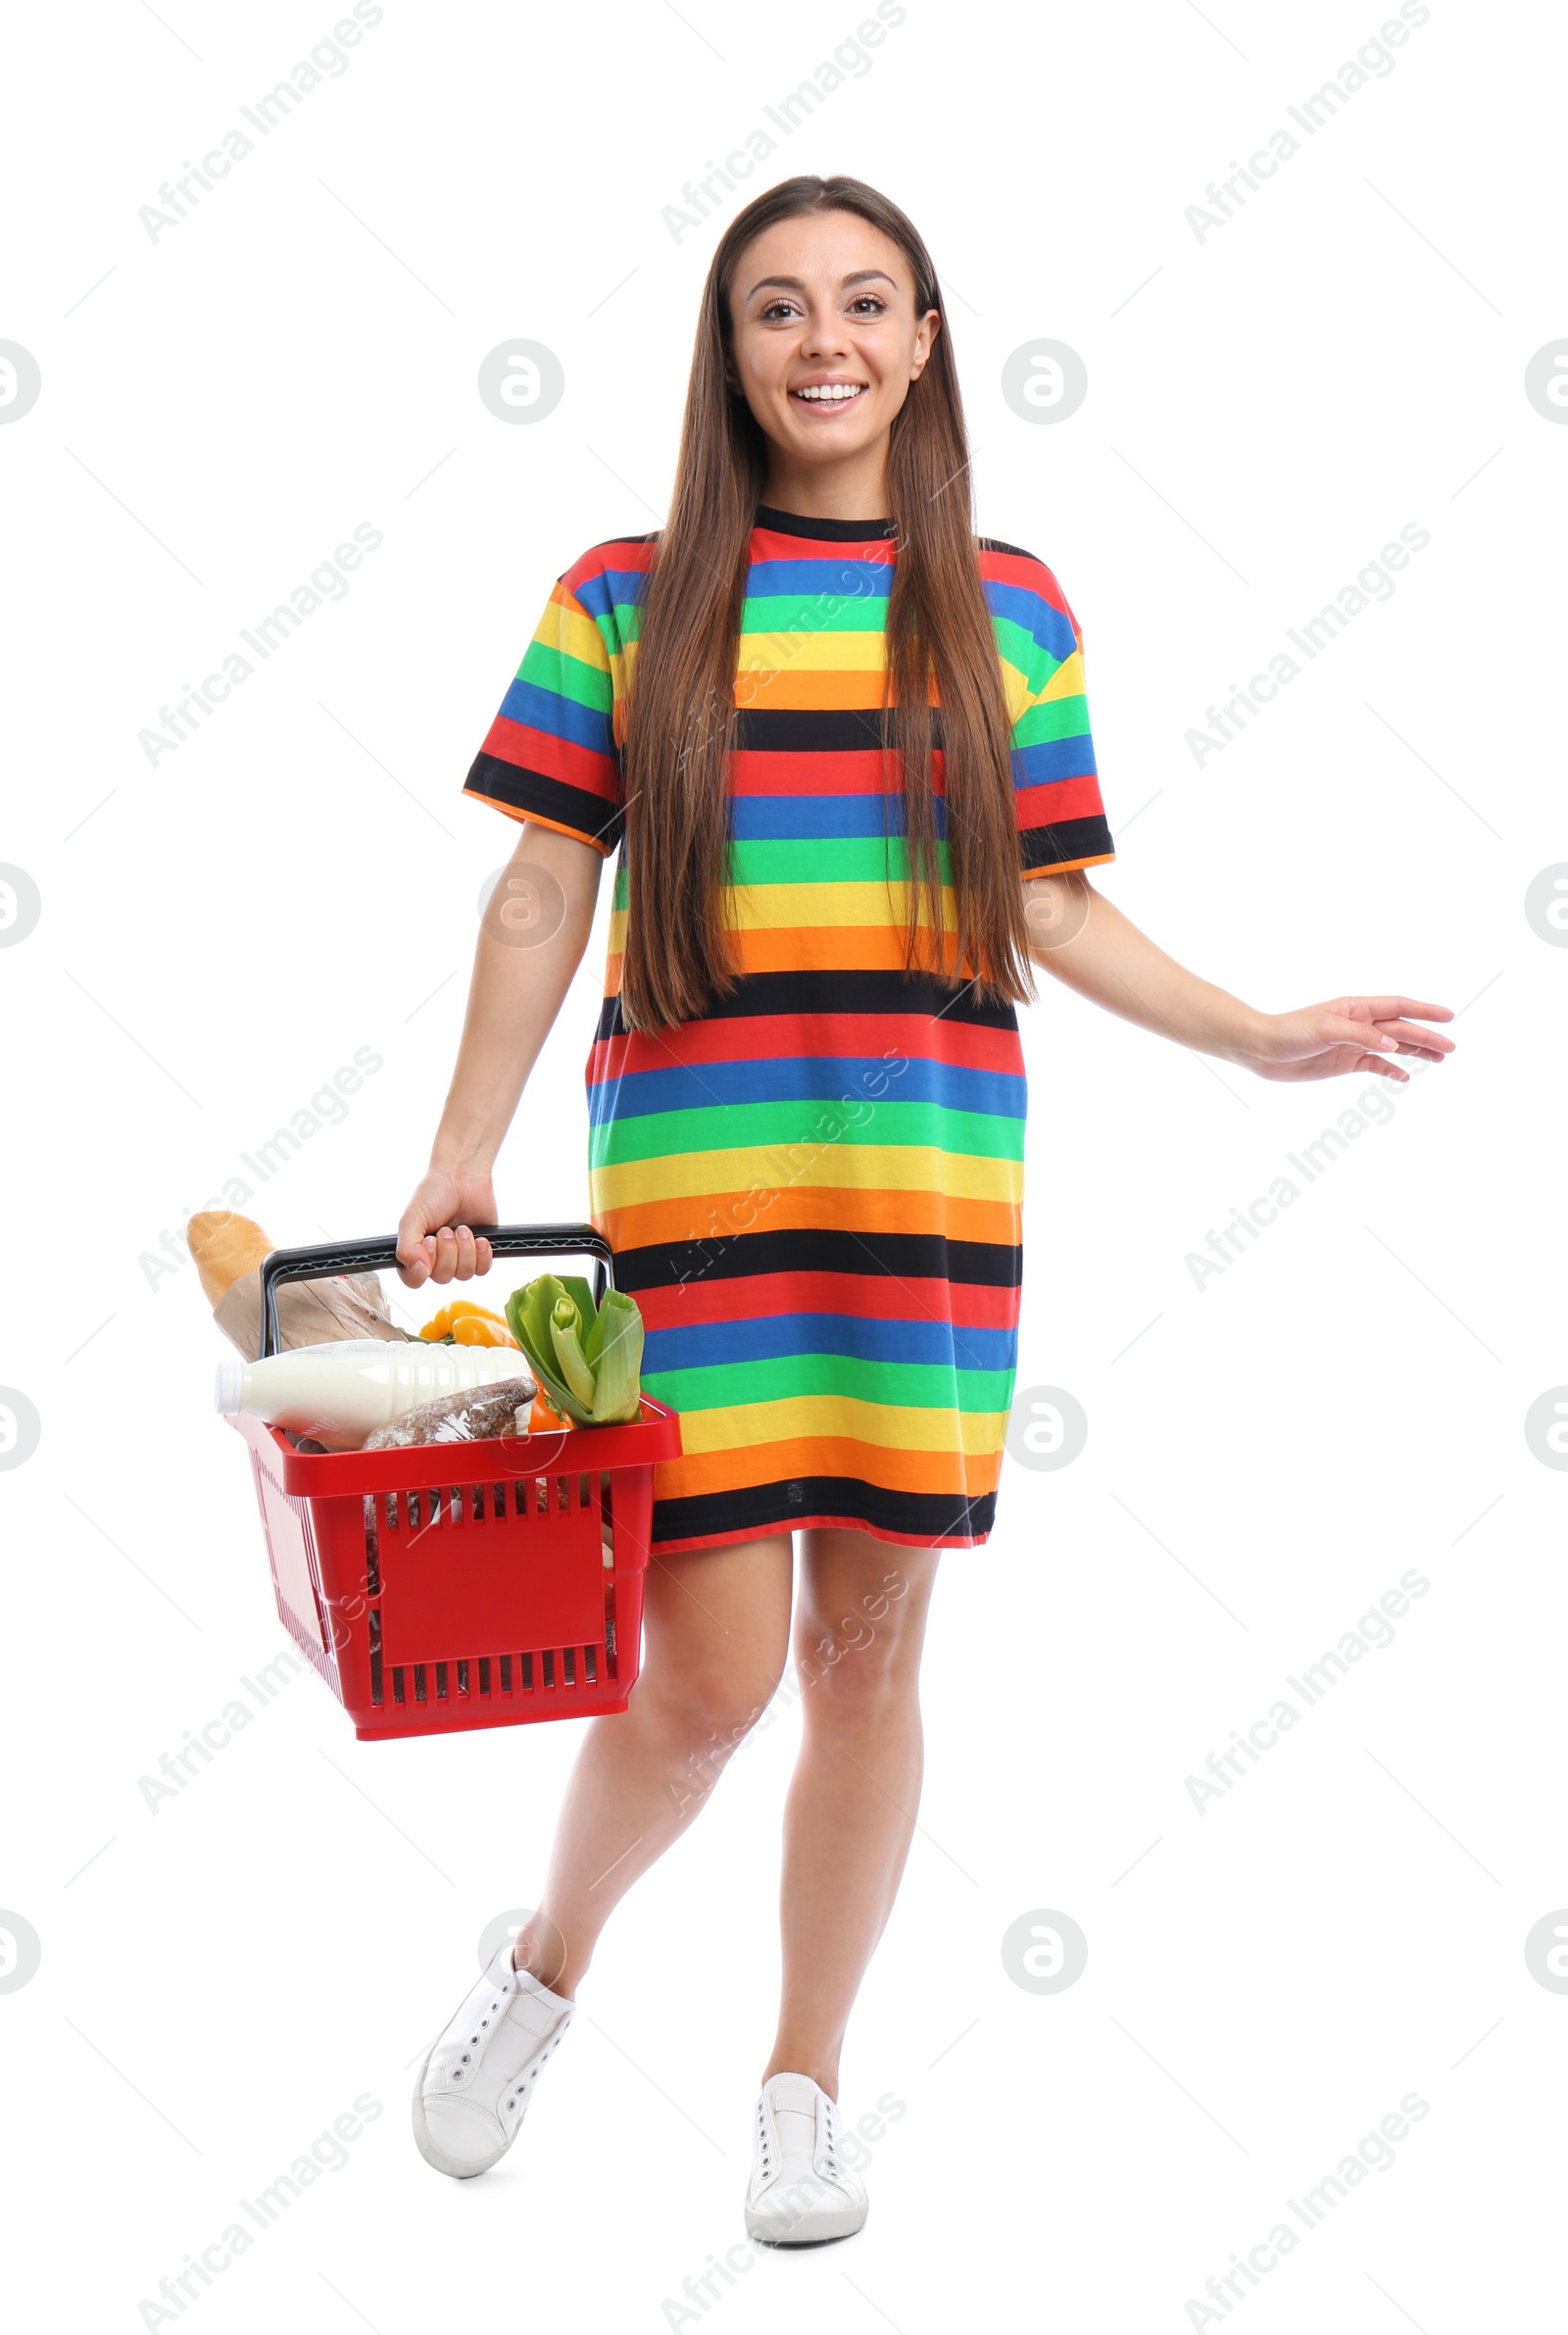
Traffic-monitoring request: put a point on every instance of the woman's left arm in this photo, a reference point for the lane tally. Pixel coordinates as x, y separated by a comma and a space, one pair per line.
1090, 946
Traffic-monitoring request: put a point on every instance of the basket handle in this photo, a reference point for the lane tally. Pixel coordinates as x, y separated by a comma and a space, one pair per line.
371, 1256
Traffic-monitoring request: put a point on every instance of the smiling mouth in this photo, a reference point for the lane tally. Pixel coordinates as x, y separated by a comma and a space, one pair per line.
830, 393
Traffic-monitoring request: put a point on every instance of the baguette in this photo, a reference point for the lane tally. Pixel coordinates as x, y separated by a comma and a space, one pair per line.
225, 1246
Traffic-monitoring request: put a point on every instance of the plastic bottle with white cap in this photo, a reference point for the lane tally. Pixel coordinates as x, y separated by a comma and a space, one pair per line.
342, 1391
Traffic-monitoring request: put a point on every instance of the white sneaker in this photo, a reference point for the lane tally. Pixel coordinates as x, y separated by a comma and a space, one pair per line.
479, 2075
801, 2193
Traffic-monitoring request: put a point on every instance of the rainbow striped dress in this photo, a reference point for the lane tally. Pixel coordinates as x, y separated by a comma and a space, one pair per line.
814, 1192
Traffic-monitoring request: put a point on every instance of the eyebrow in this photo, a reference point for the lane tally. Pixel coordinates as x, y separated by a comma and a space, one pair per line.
793, 283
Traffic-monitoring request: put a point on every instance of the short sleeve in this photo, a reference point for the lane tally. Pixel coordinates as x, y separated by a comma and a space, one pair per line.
553, 753
1061, 820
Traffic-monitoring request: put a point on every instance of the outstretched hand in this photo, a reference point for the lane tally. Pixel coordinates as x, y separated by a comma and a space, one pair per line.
1349, 1035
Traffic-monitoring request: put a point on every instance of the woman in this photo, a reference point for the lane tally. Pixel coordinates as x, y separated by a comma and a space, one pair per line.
805, 1094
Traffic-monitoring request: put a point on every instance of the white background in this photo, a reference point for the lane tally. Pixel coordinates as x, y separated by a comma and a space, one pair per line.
1267, 407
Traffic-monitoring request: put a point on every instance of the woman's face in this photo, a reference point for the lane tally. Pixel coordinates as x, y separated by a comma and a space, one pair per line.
826, 340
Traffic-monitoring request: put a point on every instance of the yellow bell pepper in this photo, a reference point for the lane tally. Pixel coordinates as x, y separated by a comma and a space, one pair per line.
476, 1329
469, 1324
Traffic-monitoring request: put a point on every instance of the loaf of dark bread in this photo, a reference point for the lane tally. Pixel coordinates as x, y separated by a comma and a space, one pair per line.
471, 1415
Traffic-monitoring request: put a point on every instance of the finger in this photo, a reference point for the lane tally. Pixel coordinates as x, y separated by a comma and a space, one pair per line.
1422, 1012
1410, 1033
1389, 1009
446, 1255
1337, 1030
483, 1253
467, 1260
413, 1249
1384, 1070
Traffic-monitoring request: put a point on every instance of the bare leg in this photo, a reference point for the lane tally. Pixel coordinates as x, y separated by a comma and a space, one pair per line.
715, 1633
850, 1816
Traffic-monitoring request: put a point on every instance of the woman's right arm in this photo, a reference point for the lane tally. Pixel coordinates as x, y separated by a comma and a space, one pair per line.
530, 944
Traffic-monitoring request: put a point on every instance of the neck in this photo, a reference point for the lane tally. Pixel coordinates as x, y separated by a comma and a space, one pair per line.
853, 487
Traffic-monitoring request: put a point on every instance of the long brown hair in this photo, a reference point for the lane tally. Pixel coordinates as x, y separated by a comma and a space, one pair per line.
680, 711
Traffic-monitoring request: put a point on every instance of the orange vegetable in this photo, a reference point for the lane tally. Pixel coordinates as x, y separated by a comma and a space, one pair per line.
461, 1310
475, 1329
541, 1419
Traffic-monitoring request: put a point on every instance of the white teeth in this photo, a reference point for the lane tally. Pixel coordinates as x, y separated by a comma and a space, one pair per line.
831, 392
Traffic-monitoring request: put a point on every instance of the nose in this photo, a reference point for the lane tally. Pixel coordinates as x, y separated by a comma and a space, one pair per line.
823, 336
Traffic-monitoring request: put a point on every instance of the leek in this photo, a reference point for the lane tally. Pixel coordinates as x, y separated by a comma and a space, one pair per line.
528, 1312
565, 1335
587, 1359
619, 1330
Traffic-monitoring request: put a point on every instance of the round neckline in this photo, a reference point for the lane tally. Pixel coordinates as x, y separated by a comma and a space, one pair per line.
826, 530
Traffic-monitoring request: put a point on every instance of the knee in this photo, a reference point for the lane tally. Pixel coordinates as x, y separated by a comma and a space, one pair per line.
709, 1712
855, 1668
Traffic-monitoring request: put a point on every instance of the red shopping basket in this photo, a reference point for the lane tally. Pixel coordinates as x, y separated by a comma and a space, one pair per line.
454, 1586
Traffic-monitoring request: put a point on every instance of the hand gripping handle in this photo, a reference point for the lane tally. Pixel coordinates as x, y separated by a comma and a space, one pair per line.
331, 1257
